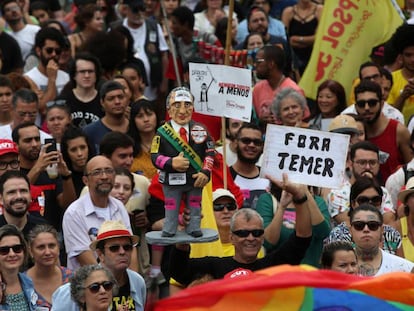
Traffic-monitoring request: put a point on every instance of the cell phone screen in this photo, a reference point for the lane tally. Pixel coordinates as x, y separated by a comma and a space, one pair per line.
51, 147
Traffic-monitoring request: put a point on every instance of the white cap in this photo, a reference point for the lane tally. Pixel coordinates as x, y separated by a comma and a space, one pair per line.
220, 192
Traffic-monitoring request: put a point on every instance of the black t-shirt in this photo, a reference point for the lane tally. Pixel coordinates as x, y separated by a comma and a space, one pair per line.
83, 113
51, 189
11, 55
32, 221
123, 297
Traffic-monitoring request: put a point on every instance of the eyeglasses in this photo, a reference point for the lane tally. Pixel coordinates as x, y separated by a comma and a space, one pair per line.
360, 225
100, 172
50, 50
5, 250
86, 71
363, 163
247, 141
376, 200
245, 233
115, 248
373, 77
371, 103
220, 207
14, 164
30, 114
95, 287
53, 103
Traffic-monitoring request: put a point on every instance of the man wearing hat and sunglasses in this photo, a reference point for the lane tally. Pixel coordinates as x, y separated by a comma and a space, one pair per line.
113, 245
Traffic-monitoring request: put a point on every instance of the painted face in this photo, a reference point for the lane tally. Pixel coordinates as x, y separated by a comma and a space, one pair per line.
100, 300
368, 106
327, 102
291, 112
345, 261
85, 76
255, 42
122, 189
78, 153
45, 249
16, 197
57, 119
365, 163
123, 157
249, 145
181, 107
13, 260
246, 248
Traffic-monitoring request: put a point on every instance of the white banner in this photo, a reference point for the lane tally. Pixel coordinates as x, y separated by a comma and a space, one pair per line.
222, 91
309, 157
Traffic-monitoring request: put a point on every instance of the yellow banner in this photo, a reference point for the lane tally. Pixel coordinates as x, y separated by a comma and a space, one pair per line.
347, 32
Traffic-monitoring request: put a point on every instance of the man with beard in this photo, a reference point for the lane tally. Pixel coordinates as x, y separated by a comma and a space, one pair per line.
46, 75
114, 104
364, 157
58, 193
19, 30
258, 21
270, 65
83, 217
15, 198
245, 172
392, 138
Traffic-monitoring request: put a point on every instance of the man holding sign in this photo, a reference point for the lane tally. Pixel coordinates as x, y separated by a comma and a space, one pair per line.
184, 152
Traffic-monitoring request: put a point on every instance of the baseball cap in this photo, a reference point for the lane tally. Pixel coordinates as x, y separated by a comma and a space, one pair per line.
220, 192
343, 124
113, 229
7, 146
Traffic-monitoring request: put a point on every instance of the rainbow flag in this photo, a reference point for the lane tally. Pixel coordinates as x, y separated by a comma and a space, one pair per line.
347, 32
288, 288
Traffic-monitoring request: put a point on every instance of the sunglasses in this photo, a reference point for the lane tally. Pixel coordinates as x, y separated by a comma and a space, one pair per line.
50, 50
54, 103
220, 207
371, 103
247, 141
115, 248
95, 287
360, 225
245, 233
5, 250
376, 200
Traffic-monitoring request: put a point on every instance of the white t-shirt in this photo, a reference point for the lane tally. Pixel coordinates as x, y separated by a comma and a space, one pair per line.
139, 35
25, 38
393, 263
41, 80
6, 133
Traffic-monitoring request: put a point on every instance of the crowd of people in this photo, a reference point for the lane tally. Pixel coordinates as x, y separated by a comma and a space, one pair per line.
100, 144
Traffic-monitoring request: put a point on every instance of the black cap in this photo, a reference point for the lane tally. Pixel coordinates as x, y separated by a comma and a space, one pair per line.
110, 86
135, 4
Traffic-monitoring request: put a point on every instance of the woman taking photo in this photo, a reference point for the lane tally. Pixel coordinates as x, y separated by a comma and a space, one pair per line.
19, 293
46, 274
142, 128
92, 288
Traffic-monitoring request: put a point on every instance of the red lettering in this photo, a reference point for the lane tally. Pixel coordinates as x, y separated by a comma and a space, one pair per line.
333, 41
345, 18
336, 29
347, 4
322, 65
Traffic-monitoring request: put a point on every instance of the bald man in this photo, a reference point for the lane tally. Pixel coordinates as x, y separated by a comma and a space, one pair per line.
85, 215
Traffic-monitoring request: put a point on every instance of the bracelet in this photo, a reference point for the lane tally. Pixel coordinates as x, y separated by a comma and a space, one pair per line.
67, 176
300, 200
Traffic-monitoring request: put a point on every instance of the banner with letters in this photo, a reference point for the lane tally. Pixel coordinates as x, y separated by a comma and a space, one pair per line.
222, 91
347, 32
309, 157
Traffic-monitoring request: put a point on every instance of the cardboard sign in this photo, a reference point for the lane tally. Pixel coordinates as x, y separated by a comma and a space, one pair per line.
222, 91
309, 157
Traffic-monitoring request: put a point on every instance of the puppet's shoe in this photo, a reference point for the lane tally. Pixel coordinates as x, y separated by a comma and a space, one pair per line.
196, 233
167, 234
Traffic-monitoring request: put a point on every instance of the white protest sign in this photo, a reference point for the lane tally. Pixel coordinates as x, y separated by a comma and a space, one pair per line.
222, 91
309, 157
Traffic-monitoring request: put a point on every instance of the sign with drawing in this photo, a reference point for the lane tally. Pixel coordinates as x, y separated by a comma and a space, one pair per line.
309, 157
222, 91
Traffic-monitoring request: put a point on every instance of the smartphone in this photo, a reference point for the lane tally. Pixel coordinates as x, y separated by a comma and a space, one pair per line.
53, 146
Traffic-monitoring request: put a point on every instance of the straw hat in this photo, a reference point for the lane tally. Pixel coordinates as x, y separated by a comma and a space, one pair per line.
409, 188
113, 229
